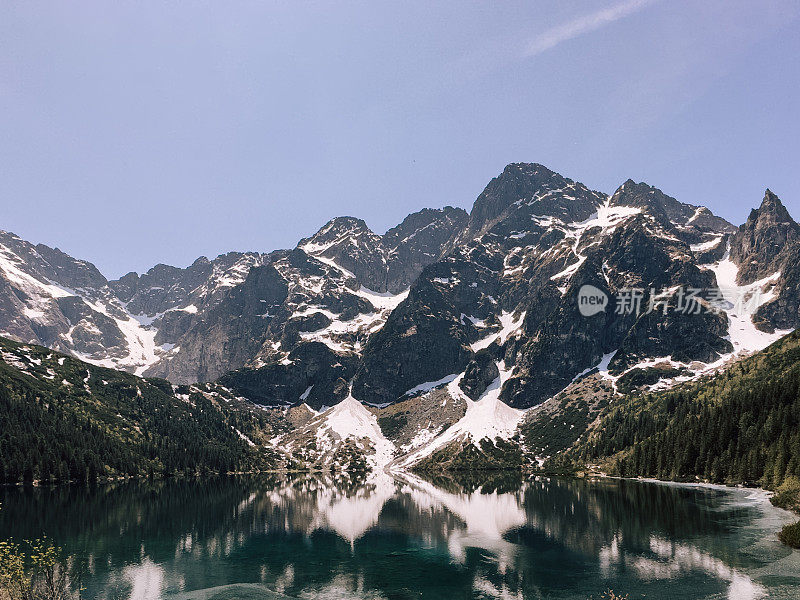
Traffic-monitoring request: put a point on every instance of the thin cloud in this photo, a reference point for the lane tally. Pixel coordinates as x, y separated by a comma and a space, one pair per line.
577, 27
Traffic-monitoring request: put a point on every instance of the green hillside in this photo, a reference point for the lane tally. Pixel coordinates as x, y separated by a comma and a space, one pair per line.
63, 419
738, 426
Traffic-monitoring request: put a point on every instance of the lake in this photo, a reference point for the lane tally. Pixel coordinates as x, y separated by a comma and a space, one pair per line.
404, 537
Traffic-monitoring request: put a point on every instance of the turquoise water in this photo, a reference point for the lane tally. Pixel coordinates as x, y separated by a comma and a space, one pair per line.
404, 537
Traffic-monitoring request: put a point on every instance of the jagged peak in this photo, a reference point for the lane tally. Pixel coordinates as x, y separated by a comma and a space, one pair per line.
337, 227
443, 210
526, 167
642, 195
534, 173
657, 203
9, 234
423, 218
771, 210
334, 231
346, 222
630, 186
528, 184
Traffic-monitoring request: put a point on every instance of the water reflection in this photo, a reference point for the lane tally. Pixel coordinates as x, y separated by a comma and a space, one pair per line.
397, 537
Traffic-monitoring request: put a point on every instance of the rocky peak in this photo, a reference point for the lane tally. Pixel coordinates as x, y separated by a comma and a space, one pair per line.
335, 231
353, 247
771, 212
71, 272
388, 263
662, 206
518, 182
425, 226
419, 240
643, 196
761, 246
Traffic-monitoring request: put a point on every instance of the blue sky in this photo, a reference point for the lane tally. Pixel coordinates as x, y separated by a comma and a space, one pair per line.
135, 133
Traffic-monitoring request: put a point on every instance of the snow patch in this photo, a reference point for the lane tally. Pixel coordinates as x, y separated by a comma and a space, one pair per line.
509, 326
488, 417
429, 385
741, 302
349, 419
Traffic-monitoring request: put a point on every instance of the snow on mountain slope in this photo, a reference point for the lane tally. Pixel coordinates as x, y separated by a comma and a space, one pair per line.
487, 418
385, 314
350, 418
88, 321
510, 326
740, 304
347, 431
349, 335
142, 351
35, 294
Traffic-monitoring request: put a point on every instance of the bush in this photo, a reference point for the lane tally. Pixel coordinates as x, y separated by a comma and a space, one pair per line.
36, 575
788, 494
790, 535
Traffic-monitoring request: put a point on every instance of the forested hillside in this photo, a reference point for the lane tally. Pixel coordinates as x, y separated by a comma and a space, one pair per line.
739, 426
63, 419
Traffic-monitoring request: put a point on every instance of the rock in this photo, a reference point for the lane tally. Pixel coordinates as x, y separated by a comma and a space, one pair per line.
480, 372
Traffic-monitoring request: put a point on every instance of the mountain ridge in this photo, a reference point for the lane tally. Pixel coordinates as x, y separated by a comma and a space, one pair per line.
388, 313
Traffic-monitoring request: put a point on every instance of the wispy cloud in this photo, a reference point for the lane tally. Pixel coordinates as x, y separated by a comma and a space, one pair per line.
591, 22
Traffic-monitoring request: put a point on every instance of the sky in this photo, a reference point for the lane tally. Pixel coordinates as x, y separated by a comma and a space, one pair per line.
137, 133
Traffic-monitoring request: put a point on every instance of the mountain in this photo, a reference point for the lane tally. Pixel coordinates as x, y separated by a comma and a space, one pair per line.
336, 288
52, 299
452, 339
767, 249
540, 238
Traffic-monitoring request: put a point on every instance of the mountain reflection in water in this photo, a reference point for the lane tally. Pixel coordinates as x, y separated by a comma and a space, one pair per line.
402, 536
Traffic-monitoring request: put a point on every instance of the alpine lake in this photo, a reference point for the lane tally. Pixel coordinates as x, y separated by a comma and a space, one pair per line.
397, 537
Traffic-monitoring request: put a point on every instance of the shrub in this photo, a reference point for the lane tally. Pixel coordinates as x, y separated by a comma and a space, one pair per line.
788, 494
790, 535
36, 575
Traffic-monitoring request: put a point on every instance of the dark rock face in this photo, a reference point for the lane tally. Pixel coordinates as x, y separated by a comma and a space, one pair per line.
419, 241
535, 248
784, 311
423, 340
353, 246
230, 333
70, 272
527, 185
658, 204
313, 374
769, 244
642, 252
762, 245
162, 287
691, 224
202, 284
480, 372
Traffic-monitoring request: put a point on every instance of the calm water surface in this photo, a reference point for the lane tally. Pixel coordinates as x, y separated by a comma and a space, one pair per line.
402, 538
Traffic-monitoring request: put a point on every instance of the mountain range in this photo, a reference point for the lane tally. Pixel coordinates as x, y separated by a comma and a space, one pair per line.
451, 338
